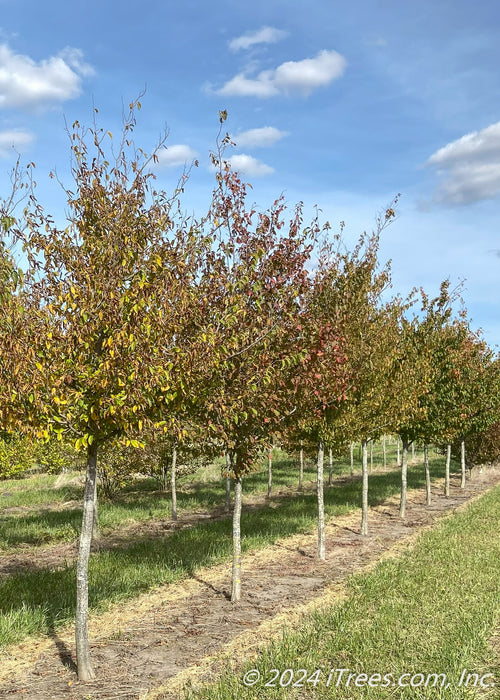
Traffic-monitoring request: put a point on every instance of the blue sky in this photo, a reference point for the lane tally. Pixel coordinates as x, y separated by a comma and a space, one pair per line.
340, 105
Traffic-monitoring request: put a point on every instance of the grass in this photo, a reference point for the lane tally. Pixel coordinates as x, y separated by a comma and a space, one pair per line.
430, 611
39, 601
139, 501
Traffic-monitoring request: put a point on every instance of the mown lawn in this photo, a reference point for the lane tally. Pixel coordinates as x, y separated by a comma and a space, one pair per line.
138, 501
39, 601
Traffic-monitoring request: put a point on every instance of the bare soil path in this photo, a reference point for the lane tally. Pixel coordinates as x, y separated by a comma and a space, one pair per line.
185, 632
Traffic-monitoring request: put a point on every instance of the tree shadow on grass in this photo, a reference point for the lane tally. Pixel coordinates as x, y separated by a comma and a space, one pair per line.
63, 651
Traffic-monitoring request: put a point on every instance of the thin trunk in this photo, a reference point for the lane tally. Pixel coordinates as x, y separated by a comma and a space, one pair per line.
404, 475
371, 456
384, 451
364, 497
427, 475
269, 473
301, 467
95, 519
462, 463
172, 483
321, 502
352, 459
227, 505
447, 471
236, 577
330, 466
85, 671
163, 474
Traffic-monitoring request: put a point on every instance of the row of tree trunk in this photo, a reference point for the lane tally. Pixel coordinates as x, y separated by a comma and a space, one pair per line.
90, 518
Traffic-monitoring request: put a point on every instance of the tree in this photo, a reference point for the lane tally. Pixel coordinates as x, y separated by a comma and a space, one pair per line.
477, 389
373, 396
483, 447
107, 297
251, 298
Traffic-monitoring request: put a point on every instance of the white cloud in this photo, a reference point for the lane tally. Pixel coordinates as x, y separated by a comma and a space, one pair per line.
248, 165
14, 140
266, 35
257, 138
177, 154
470, 167
291, 77
27, 84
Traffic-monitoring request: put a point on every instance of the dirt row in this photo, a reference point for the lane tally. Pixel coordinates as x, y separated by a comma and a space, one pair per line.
187, 632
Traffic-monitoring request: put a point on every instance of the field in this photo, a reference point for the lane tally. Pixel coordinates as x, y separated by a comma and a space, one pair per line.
162, 624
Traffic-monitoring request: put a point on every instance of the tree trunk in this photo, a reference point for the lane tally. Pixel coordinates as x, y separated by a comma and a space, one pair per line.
330, 466
404, 474
447, 471
163, 474
462, 463
352, 459
384, 452
269, 473
85, 671
236, 577
321, 501
301, 467
95, 519
172, 482
227, 505
427, 475
364, 497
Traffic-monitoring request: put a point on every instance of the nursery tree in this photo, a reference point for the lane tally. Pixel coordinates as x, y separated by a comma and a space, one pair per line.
371, 396
434, 343
108, 296
251, 296
476, 372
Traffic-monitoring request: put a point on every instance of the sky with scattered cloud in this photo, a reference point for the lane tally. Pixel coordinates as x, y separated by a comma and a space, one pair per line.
338, 105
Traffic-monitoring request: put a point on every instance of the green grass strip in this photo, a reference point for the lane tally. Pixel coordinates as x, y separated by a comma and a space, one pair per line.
429, 611
139, 501
40, 601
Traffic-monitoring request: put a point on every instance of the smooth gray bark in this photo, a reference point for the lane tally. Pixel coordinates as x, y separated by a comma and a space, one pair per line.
301, 467
447, 471
404, 479
427, 475
173, 487
95, 519
352, 458
330, 466
84, 665
364, 493
321, 501
462, 463
236, 574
